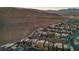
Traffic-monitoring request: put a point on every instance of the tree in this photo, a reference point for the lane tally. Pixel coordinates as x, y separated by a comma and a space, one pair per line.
56, 48
62, 47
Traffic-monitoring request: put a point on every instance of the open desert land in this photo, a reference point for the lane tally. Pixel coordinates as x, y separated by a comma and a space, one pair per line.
16, 23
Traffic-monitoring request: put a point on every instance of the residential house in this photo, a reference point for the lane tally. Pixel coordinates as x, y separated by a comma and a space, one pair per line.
40, 44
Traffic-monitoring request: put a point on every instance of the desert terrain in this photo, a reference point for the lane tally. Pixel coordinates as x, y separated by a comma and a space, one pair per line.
16, 23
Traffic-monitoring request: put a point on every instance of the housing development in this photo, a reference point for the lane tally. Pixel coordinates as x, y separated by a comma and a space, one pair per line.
63, 36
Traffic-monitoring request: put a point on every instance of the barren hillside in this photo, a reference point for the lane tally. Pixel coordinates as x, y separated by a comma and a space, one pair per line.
15, 23
70, 12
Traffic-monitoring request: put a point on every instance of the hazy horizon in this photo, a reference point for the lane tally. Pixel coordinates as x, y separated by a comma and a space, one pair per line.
51, 8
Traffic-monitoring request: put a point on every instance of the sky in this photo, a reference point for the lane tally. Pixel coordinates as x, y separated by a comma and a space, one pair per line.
37, 4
